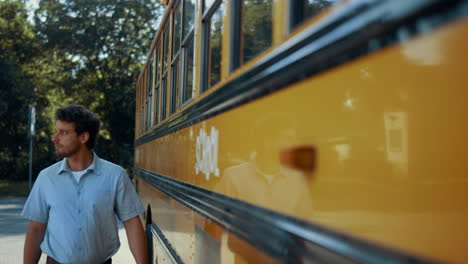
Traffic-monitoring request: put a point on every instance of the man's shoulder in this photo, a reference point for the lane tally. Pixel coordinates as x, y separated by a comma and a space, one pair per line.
52, 169
107, 165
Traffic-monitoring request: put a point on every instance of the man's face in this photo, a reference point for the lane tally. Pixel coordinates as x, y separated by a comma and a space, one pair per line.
66, 140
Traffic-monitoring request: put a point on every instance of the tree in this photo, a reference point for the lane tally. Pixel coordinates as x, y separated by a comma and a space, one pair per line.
18, 48
103, 43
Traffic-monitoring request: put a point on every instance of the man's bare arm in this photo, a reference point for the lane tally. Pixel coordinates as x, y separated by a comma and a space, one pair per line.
34, 237
137, 239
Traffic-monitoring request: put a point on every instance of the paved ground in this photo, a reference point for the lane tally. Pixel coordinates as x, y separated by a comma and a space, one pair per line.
13, 228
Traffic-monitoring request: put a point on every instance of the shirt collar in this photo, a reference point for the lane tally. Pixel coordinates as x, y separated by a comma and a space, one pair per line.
94, 167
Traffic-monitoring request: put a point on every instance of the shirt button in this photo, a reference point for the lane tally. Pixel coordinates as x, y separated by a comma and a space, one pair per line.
79, 229
79, 211
79, 192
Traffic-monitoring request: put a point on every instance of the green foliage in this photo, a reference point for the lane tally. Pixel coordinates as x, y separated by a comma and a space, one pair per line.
18, 49
103, 43
17, 37
14, 188
256, 27
81, 51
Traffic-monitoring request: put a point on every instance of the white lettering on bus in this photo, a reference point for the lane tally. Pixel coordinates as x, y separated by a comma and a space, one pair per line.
207, 153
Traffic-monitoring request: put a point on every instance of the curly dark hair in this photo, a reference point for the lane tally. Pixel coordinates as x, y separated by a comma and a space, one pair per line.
84, 120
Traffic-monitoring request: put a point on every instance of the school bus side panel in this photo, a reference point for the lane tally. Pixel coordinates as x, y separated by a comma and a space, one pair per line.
390, 133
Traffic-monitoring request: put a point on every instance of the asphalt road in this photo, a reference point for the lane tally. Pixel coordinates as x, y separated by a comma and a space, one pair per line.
13, 229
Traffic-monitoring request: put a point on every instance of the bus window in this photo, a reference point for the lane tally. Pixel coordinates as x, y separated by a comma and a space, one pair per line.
189, 16
301, 10
157, 82
157, 63
251, 30
148, 113
143, 107
187, 92
165, 48
138, 109
212, 39
174, 85
177, 30
164, 64
163, 97
187, 52
176, 34
150, 93
256, 28
145, 98
142, 113
142, 103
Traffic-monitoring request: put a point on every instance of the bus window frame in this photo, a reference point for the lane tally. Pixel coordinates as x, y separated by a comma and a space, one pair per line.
143, 106
188, 36
184, 70
205, 65
175, 59
234, 36
151, 92
237, 22
157, 85
165, 44
175, 72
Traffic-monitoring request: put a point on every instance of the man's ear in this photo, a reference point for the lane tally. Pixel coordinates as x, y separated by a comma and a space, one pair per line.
84, 137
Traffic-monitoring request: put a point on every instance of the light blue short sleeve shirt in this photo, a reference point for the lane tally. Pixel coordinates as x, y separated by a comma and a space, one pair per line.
80, 216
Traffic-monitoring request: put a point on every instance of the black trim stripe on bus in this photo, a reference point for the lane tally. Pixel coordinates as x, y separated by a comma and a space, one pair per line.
285, 238
356, 29
168, 247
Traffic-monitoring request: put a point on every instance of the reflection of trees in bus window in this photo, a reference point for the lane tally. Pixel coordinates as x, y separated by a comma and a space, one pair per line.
153, 69
256, 27
150, 92
156, 104
187, 52
188, 86
143, 105
165, 47
157, 68
140, 108
174, 86
148, 113
216, 30
189, 14
164, 70
157, 64
150, 75
207, 4
163, 97
177, 29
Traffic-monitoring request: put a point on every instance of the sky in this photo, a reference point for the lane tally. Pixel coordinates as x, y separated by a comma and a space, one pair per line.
31, 5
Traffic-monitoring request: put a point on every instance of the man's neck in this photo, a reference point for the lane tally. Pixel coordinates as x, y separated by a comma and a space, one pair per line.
80, 160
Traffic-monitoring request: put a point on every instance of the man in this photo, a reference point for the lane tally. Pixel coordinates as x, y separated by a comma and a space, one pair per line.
73, 203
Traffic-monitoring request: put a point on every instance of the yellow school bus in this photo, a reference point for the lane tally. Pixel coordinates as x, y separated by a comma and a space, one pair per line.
305, 131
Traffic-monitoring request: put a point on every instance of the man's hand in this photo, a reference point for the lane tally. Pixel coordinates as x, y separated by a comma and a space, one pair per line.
34, 237
136, 239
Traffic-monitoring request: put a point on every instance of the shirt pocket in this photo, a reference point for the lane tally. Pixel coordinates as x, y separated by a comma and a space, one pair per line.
102, 203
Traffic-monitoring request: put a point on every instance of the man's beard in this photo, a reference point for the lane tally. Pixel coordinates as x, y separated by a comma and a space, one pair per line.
67, 153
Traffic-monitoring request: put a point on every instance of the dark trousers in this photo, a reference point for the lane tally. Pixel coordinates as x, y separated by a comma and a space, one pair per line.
53, 261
